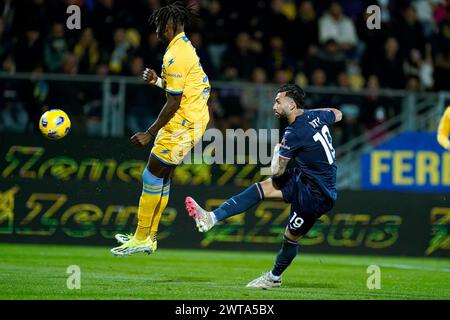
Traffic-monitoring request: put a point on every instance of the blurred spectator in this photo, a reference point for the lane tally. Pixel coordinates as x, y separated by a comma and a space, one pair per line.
440, 11
425, 12
372, 100
33, 14
217, 37
5, 42
120, 52
389, 68
318, 78
55, 48
70, 64
409, 32
241, 57
7, 17
8, 66
276, 56
442, 69
274, 22
29, 51
105, 19
87, 51
444, 31
373, 42
313, 99
416, 66
385, 10
334, 25
13, 115
306, 24
139, 12
330, 59
282, 76
413, 83
259, 76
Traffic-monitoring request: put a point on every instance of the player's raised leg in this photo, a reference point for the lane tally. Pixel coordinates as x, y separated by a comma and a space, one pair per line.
237, 204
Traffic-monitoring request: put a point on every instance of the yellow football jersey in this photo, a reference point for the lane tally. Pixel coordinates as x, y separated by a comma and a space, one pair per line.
183, 74
444, 129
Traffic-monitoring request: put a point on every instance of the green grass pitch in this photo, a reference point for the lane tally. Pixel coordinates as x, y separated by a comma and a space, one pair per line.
39, 272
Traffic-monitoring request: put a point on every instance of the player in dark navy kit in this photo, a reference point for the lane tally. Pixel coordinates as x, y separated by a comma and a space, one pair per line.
310, 187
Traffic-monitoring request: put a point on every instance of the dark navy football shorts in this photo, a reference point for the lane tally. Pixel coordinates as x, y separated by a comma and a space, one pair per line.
307, 201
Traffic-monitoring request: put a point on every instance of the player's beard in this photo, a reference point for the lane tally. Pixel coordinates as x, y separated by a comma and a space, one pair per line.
280, 115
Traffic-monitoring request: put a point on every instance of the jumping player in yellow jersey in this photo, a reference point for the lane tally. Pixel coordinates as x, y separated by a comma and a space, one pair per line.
444, 130
179, 126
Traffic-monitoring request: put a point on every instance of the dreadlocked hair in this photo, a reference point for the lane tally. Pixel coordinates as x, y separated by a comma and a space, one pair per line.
180, 14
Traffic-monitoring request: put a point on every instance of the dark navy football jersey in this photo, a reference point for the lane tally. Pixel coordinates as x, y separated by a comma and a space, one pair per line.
308, 141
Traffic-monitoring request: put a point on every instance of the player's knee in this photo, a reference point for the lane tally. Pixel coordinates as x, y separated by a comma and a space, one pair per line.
268, 188
291, 237
150, 179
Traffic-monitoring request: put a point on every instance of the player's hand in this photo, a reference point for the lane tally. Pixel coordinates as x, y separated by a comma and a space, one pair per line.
448, 148
141, 138
149, 76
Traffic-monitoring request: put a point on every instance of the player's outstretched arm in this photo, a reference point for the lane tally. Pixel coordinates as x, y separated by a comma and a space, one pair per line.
337, 113
278, 164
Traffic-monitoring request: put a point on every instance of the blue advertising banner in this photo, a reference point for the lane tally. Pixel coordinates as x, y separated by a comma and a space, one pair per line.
409, 162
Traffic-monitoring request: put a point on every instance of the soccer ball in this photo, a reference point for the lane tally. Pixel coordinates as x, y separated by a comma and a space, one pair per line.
54, 124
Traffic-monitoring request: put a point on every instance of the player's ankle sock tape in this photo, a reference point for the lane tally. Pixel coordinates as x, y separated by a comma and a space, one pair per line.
240, 203
151, 184
285, 256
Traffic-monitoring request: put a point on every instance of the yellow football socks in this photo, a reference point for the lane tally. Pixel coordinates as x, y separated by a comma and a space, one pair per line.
159, 210
148, 203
